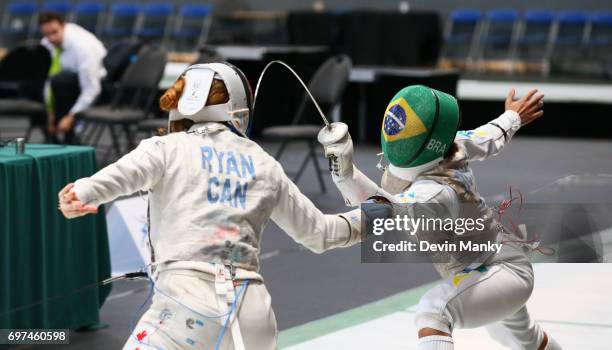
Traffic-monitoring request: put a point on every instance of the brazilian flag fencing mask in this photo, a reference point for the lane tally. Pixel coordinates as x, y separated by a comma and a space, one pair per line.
418, 128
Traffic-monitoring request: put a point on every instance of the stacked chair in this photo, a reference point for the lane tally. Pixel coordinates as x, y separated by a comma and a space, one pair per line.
18, 20
534, 40
599, 42
89, 15
497, 40
120, 22
461, 29
179, 28
568, 50
153, 22
62, 7
191, 27
534, 45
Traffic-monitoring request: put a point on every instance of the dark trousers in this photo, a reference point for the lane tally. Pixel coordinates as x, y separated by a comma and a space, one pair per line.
66, 90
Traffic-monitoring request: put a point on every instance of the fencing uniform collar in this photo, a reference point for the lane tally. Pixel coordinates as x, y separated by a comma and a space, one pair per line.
207, 127
409, 174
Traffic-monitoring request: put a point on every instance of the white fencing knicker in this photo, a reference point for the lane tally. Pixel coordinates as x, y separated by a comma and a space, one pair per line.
493, 295
197, 310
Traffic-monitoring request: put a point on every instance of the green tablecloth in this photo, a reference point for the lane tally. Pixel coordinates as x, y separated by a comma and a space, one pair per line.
42, 254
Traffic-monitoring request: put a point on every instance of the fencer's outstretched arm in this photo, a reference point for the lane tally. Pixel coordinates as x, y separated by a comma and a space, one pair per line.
138, 170
307, 225
480, 143
489, 139
355, 187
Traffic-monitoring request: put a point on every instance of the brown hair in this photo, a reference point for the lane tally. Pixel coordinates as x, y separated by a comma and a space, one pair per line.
169, 100
452, 150
50, 16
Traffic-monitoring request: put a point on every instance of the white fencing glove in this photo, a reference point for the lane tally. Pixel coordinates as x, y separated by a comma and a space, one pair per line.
354, 186
340, 156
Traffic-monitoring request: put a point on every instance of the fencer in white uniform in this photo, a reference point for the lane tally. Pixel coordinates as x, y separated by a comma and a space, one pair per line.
211, 193
479, 288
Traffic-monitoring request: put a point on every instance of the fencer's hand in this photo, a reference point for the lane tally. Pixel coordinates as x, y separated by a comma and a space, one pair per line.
529, 108
65, 124
340, 156
71, 206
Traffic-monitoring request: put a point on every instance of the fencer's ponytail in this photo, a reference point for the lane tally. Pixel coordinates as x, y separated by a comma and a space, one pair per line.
218, 94
169, 100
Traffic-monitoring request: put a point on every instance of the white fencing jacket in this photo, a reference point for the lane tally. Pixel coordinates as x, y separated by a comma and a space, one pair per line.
211, 195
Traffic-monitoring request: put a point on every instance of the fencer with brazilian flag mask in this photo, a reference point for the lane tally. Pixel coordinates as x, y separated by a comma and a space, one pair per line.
429, 163
418, 128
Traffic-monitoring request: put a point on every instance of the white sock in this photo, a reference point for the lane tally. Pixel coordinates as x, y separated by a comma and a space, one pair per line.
436, 342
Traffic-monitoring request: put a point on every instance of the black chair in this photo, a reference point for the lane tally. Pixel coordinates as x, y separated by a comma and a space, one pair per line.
131, 103
326, 86
118, 58
23, 72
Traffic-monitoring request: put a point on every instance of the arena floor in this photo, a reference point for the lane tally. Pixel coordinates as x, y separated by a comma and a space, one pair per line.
332, 301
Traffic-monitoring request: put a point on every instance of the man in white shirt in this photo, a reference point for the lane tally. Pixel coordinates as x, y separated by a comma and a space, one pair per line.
75, 73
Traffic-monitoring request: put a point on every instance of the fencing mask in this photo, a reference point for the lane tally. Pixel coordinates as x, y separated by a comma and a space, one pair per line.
418, 128
236, 112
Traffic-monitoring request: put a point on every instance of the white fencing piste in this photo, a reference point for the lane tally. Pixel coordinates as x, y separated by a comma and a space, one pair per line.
570, 301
